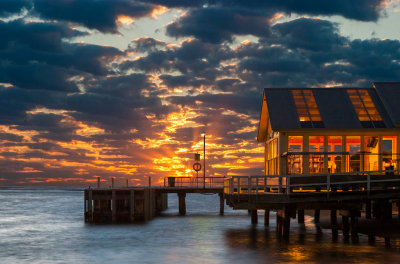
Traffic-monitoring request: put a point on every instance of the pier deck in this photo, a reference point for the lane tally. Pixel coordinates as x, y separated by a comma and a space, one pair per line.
132, 204
374, 194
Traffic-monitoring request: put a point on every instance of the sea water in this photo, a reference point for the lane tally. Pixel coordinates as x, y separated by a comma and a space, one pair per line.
45, 225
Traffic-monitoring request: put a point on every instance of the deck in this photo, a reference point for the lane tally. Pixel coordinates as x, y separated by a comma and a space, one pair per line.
371, 194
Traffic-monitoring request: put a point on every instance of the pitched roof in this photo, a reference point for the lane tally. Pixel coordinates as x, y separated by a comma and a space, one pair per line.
338, 108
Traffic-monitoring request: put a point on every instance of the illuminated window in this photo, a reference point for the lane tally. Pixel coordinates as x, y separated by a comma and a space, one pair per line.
389, 158
365, 108
371, 153
316, 161
335, 158
307, 109
353, 147
272, 167
295, 159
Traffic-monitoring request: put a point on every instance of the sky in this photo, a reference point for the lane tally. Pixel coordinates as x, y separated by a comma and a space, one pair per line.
124, 89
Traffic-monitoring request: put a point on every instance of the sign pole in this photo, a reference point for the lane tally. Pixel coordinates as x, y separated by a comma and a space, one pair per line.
204, 160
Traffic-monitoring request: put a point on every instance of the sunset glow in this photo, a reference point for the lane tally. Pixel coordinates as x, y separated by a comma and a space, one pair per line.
127, 90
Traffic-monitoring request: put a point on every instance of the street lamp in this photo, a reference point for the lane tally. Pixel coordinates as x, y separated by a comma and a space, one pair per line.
204, 159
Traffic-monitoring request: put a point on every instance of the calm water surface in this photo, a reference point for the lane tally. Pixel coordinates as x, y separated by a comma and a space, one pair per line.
39, 225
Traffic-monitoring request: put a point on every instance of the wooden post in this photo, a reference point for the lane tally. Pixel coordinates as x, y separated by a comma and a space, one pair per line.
127, 183
345, 225
98, 181
334, 224
387, 242
182, 203
278, 222
316, 216
132, 206
317, 211
114, 206
149, 181
371, 239
90, 206
368, 214
112, 182
85, 213
300, 216
266, 218
398, 210
254, 217
286, 222
221, 203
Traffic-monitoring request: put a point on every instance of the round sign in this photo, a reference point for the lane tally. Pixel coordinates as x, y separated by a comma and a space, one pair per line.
197, 166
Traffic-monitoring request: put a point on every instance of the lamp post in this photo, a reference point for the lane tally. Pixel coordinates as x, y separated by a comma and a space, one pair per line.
204, 159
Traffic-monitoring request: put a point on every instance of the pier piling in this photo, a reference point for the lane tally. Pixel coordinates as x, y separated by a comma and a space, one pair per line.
182, 203
316, 216
334, 224
254, 217
221, 203
300, 216
266, 218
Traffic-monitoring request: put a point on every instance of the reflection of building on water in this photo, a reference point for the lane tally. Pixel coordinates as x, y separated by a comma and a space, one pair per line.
322, 130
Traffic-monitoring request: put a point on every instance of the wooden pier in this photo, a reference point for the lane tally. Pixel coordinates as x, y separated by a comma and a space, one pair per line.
134, 204
349, 195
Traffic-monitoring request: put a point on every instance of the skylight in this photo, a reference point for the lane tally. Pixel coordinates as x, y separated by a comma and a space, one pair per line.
365, 108
307, 109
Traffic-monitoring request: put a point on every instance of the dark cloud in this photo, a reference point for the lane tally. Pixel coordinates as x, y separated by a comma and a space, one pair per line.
194, 59
215, 24
311, 34
100, 15
245, 102
220, 21
44, 36
146, 44
34, 55
10, 137
363, 10
11, 7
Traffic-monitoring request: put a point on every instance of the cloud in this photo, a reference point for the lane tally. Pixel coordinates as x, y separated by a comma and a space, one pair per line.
100, 15
145, 44
216, 24
35, 55
11, 7
363, 10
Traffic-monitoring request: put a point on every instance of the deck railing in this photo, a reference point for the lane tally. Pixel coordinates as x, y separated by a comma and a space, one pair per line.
301, 183
194, 182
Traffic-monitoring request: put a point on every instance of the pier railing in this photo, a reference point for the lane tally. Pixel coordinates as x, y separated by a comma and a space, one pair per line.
301, 183
194, 182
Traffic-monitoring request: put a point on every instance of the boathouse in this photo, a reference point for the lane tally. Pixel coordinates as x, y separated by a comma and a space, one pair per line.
330, 130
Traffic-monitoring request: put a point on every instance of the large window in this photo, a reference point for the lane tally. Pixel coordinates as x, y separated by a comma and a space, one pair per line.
389, 155
272, 167
307, 108
295, 159
353, 147
316, 160
371, 153
335, 157
365, 108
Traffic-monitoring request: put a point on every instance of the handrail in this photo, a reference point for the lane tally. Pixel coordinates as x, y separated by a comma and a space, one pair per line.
322, 182
194, 182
